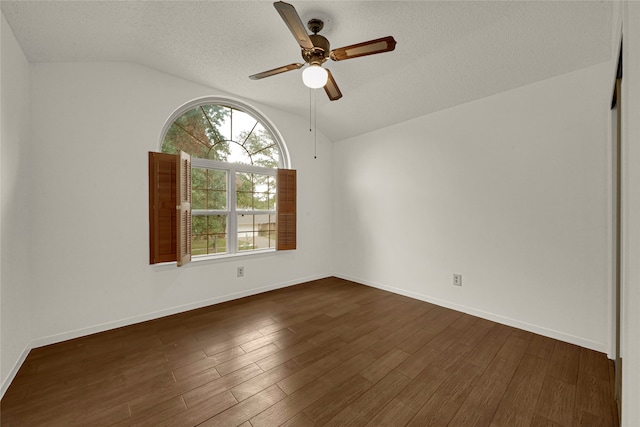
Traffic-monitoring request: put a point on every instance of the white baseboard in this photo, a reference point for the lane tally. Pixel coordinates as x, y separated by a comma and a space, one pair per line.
551, 333
52, 339
77, 333
14, 370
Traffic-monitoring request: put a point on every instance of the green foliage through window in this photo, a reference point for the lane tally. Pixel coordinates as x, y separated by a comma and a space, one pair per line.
222, 133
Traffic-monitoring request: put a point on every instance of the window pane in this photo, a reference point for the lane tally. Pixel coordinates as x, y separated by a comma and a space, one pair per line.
199, 235
262, 147
264, 227
221, 152
217, 233
217, 185
208, 189
198, 199
272, 202
199, 245
271, 192
242, 125
261, 201
261, 189
191, 133
256, 232
220, 117
209, 234
217, 180
238, 154
255, 191
217, 200
244, 191
245, 233
264, 159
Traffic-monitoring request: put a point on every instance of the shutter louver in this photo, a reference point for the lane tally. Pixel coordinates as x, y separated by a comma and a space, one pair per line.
286, 209
162, 207
183, 196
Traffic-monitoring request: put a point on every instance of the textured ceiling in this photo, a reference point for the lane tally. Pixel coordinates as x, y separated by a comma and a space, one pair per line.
448, 52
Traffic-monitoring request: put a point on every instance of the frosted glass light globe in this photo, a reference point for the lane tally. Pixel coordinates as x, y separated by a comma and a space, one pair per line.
314, 76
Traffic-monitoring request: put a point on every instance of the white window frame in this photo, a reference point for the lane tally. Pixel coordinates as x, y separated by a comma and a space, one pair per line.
232, 212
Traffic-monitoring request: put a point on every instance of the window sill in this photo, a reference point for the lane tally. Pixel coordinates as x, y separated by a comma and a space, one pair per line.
223, 257
199, 258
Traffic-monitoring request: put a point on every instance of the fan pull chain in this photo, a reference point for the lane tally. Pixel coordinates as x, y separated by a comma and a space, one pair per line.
310, 90
312, 123
315, 126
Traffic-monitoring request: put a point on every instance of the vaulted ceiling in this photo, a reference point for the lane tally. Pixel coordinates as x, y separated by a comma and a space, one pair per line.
448, 52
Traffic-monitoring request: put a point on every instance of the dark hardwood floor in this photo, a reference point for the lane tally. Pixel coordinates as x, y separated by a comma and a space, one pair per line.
329, 352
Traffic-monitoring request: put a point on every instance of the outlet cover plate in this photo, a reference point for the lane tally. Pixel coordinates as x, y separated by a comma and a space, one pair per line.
457, 280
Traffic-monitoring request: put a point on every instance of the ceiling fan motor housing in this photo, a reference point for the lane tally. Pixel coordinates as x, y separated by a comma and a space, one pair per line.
320, 51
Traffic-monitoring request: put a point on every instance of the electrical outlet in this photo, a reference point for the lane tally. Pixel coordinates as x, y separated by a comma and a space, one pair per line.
457, 280
240, 271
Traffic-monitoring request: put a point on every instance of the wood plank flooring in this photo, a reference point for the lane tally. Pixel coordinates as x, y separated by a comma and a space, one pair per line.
328, 352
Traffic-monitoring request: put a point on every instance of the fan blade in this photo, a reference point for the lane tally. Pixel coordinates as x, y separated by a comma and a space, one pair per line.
293, 21
331, 88
275, 71
385, 44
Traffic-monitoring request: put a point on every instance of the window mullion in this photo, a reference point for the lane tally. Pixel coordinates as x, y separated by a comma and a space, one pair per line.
232, 220
255, 212
213, 164
206, 212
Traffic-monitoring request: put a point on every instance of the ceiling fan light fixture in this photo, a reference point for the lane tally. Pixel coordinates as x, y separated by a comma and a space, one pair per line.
314, 76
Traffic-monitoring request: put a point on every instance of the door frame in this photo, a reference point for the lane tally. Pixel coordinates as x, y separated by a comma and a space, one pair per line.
616, 145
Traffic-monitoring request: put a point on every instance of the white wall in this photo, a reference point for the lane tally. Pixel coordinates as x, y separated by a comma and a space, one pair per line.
631, 216
92, 126
511, 191
15, 306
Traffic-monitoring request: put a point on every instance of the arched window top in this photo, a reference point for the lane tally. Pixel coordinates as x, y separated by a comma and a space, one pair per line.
227, 131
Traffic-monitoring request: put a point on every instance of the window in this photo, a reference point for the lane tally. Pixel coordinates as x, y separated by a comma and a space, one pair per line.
240, 220
237, 183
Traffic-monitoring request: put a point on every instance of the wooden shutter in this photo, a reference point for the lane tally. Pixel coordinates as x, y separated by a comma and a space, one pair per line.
183, 195
286, 209
162, 207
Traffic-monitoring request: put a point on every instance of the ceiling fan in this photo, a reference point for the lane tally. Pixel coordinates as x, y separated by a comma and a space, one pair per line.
316, 50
